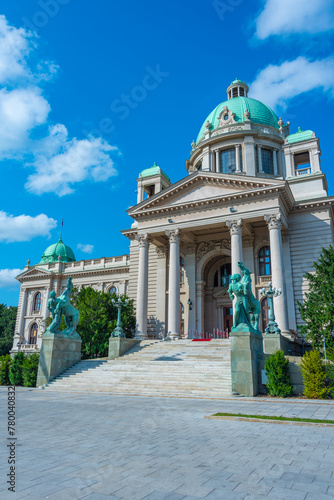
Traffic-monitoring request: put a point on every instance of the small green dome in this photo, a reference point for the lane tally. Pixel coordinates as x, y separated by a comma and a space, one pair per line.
53, 251
259, 113
155, 170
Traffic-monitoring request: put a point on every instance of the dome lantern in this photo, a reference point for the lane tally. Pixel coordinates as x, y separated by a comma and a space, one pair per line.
237, 88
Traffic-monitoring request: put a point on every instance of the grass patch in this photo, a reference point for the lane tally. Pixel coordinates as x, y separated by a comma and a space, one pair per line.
271, 417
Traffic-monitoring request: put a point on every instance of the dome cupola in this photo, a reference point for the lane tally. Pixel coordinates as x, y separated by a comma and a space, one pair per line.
237, 88
57, 252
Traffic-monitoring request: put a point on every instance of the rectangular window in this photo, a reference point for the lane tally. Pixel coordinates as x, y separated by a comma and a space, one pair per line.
227, 161
267, 161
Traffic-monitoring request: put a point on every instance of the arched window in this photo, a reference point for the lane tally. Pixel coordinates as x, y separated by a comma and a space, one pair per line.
37, 302
181, 319
264, 313
181, 270
33, 334
264, 261
113, 289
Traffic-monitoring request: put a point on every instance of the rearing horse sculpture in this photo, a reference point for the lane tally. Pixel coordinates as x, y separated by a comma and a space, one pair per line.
247, 307
61, 306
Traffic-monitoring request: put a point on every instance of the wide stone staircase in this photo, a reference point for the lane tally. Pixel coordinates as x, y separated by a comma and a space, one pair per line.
156, 368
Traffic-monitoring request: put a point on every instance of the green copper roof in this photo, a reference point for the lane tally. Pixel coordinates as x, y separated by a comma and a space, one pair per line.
155, 170
301, 135
237, 81
59, 248
259, 113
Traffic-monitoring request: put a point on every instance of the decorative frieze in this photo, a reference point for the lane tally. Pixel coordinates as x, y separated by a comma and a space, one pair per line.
203, 248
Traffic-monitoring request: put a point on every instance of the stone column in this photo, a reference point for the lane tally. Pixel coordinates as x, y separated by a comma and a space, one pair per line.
275, 162
277, 269
236, 244
174, 284
142, 290
259, 155
237, 159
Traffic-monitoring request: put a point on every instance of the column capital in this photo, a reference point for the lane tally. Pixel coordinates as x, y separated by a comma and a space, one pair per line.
173, 235
143, 240
235, 226
274, 221
161, 252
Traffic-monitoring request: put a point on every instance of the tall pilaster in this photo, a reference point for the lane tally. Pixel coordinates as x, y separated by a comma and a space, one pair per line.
174, 284
161, 291
236, 244
277, 269
23, 312
237, 159
142, 290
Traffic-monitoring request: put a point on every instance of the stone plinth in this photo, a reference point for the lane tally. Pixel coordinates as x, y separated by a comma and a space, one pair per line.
291, 347
58, 353
118, 346
246, 347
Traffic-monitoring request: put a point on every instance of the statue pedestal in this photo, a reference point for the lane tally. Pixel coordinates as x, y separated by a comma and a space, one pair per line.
246, 348
118, 346
58, 353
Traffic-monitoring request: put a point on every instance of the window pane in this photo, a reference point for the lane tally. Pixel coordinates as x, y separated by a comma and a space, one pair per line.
267, 161
227, 161
264, 261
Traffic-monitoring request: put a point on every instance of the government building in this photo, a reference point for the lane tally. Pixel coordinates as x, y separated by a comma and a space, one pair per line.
253, 192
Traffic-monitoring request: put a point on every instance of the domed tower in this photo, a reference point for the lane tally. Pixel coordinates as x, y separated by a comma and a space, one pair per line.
240, 136
58, 252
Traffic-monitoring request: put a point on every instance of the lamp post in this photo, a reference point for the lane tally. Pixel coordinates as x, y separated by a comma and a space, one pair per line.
270, 294
118, 332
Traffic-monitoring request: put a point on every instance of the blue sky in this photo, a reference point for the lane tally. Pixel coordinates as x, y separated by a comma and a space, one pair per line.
93, 93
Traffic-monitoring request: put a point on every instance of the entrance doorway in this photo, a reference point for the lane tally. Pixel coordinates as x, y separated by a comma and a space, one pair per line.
228, 318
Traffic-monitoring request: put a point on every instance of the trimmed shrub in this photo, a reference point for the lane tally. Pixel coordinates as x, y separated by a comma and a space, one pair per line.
277, 368
29, 370
15, 370
5, 362
314, 376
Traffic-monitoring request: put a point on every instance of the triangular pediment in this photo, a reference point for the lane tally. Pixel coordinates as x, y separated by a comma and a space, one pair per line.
33, 273
203, 187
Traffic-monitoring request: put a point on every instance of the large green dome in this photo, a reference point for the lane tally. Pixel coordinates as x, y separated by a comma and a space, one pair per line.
259, 113
53, 251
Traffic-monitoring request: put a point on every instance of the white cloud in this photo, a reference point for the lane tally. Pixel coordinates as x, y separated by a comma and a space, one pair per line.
85, 248
58, 161
281, 17
21, 111
61, 163
276, 85
24, 227
7, 278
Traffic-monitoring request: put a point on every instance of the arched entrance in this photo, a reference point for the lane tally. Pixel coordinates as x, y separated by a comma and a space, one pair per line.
218, 314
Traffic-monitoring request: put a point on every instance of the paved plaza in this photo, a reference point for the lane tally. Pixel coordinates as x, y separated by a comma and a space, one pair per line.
94, 446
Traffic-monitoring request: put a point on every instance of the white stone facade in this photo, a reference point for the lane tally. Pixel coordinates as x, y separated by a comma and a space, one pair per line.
186, 235
100, 274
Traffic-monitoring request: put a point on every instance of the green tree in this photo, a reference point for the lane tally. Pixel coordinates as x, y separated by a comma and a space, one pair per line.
98, 317
317, 310
4, 369
15, 370
314, 376
7, 328
30, 369
277, 368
